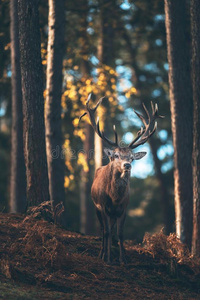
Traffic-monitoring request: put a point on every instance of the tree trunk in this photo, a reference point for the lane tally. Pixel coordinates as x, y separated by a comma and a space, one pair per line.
87, 221
106, 56
98, 151
18, 176
33, 102
106, 49
177, 26
195, 30
87, 207
53, 101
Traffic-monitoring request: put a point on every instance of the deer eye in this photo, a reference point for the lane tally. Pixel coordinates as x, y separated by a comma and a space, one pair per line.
116, 155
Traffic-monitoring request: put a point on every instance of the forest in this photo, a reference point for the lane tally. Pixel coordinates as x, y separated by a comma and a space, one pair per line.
83, 213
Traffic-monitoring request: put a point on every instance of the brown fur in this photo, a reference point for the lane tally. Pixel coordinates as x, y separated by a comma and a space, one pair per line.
109, 190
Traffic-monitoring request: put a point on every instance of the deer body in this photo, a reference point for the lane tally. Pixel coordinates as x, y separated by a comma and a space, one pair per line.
108, 185
110, 188
110, 194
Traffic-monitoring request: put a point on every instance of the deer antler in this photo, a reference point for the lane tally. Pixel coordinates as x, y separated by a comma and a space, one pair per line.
143, 134
90, 112
150, 126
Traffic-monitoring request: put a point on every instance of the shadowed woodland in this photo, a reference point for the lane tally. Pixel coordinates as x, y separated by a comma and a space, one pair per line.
143, 59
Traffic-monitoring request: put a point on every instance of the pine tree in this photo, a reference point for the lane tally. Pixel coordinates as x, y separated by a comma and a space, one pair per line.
178, 44
195, 30
18, 176
53, 101
33, 102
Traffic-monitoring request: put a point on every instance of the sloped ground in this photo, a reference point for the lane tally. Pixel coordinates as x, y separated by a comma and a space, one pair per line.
39, 260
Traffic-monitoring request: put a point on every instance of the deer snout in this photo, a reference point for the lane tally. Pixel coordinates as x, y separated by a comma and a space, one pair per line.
127, 166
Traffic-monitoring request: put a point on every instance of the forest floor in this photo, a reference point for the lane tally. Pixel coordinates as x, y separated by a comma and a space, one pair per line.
40, 260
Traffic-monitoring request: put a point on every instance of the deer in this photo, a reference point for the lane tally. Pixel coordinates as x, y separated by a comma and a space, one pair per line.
111, 184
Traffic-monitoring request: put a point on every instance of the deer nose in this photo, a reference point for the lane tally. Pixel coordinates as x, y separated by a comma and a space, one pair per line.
127, 166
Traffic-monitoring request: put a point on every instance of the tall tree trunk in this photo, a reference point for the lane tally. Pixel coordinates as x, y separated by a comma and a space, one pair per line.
87, 221
33, 102
106, 56
106, 49
18, 175
53, 101
177, 26
87, 207
195, 30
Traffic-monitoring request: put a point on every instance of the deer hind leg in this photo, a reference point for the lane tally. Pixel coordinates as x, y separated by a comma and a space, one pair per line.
120, 233
99, 216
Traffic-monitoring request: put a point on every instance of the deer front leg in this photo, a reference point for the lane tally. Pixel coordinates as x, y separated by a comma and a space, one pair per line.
120, 233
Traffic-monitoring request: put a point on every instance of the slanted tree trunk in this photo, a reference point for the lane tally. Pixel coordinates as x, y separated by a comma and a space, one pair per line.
33, 102
18, 175
195, 30
53, 101
87, 220
177, 26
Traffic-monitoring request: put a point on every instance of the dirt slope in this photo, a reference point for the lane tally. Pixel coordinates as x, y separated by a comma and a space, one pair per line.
39, 260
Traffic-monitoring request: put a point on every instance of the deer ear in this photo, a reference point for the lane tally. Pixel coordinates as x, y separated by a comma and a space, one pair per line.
108, 152
139, 155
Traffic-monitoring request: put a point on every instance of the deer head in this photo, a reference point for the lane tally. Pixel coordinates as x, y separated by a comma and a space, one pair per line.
122, 158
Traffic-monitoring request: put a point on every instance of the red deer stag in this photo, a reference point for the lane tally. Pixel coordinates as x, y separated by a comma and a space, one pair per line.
110, 188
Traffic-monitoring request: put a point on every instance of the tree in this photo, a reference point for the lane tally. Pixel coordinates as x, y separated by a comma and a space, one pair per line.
18, 176
33, 102
178, 45
106, 57
195, 32
87, 207
55, 54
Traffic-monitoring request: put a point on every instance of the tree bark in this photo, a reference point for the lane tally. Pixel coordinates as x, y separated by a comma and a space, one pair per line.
177, 26
87, 207
18, 175
106, 56
87, 222
33, 102
53, 101
195, 30
106, 49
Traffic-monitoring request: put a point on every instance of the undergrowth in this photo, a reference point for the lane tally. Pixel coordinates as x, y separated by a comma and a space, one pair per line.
34, 251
